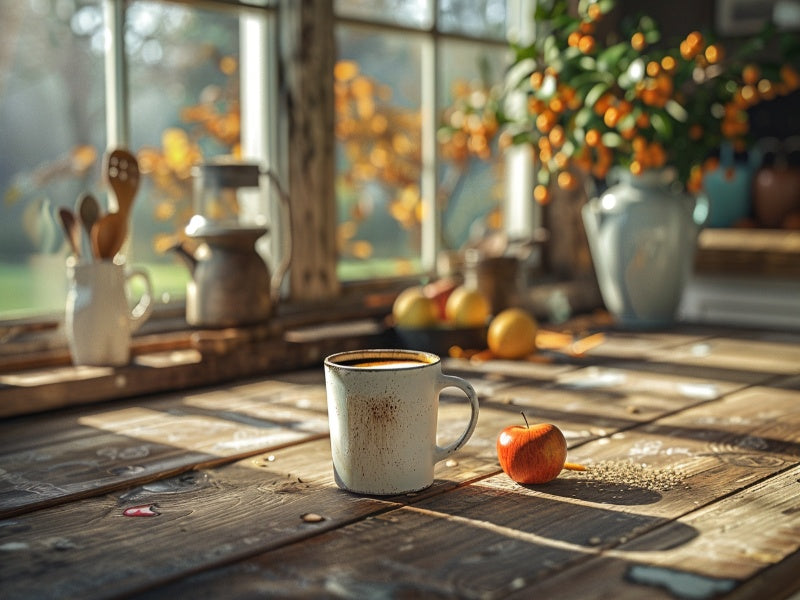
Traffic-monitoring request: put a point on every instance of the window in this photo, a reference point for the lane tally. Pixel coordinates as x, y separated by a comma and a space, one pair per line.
179, 83
52, 122
79, 76
406, 188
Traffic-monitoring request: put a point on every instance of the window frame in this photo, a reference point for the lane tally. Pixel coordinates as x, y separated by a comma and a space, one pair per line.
297, 51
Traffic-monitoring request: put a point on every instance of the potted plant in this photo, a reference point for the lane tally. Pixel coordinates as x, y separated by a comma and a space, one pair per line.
610, 102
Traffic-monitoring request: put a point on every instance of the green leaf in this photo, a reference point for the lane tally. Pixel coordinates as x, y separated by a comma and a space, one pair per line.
606, 5
611, 139
626, 122
676, 111
587, 63
652, 36
583, 117
662, 125
584, 80
609, 57
549, 47
543, 176
594, 94
520, 138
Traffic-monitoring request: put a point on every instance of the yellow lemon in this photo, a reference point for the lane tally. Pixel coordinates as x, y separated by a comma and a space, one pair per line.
414, 310
512, 334
467, 307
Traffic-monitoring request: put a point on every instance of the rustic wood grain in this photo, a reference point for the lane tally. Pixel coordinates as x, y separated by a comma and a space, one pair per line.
745, 544
608, 398
308, 93
218, 358
51, 460
721, 516
774, 354
90, 549
693, 461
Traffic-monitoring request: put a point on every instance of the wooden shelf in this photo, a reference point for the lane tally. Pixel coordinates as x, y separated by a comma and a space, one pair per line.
762, 252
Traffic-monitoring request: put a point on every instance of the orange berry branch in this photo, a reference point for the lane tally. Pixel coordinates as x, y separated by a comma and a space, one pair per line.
626, 99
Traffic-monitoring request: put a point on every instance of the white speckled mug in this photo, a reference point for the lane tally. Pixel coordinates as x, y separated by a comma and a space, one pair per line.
383, 412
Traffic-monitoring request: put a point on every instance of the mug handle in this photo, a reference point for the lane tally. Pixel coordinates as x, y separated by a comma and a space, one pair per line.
141, 312
446, 381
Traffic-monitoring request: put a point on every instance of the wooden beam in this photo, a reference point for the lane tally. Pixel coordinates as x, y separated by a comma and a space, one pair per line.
307, 55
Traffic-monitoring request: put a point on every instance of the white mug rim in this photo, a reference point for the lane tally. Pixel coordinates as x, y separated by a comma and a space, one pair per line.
426, 359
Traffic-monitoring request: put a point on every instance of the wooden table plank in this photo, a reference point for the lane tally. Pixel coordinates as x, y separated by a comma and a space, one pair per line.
405, 553
91, 549
769, 354
733, 541
102, 449
713, 473
609, 398
693, 449
211, 512
301, 389
622, 344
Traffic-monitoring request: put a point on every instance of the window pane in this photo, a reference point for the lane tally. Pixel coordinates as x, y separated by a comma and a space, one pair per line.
52, 127
471, 179
480, 18
184, 108
410, 13
378, 166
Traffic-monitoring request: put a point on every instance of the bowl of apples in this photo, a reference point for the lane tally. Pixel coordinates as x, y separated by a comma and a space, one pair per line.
437, 316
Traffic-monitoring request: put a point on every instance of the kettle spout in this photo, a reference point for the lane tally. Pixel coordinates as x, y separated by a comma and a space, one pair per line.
180, 249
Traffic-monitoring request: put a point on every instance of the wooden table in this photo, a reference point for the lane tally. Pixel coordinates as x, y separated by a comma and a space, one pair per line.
691, 436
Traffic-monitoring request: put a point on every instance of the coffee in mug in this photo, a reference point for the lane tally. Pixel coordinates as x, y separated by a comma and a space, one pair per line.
383, 412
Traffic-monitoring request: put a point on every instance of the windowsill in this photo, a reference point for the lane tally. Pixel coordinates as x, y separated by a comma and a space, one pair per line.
300, 336
165, 362
42, 376
37, 374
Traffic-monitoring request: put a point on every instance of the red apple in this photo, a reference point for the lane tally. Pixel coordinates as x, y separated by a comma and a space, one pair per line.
533, 454
440, 291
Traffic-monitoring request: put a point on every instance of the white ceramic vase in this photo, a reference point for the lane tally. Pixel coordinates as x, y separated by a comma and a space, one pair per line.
642, 234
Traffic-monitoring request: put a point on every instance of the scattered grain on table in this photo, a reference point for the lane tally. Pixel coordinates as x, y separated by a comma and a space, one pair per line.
635, 475
312, 518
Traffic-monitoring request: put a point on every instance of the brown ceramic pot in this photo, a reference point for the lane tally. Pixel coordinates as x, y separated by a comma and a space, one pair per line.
776, 194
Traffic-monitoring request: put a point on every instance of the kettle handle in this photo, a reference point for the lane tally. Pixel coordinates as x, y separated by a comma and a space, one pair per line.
280, 272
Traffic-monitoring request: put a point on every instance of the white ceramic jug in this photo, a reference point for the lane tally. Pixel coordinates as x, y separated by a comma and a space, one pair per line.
98, 319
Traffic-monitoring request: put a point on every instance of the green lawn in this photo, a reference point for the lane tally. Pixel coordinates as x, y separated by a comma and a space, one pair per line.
41, 287
28, 289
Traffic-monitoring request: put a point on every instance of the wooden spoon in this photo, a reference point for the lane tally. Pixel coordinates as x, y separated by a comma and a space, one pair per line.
122, 172
72, 229
108, 235
89, 211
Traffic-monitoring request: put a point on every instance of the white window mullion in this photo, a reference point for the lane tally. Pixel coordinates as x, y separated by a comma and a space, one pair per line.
522, 214
258, 111
431, 222
116, 75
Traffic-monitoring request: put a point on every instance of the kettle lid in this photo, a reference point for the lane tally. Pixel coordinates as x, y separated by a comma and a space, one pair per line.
227, 173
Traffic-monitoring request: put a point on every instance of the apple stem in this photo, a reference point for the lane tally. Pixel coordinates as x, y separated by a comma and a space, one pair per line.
574, 467
525, 419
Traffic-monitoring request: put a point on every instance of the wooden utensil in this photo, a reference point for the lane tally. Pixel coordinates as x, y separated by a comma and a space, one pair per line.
72, 229
88, 210
108, 235
122, 172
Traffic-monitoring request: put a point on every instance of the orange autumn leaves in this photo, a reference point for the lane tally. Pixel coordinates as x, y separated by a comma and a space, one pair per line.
381, 142
216, 117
